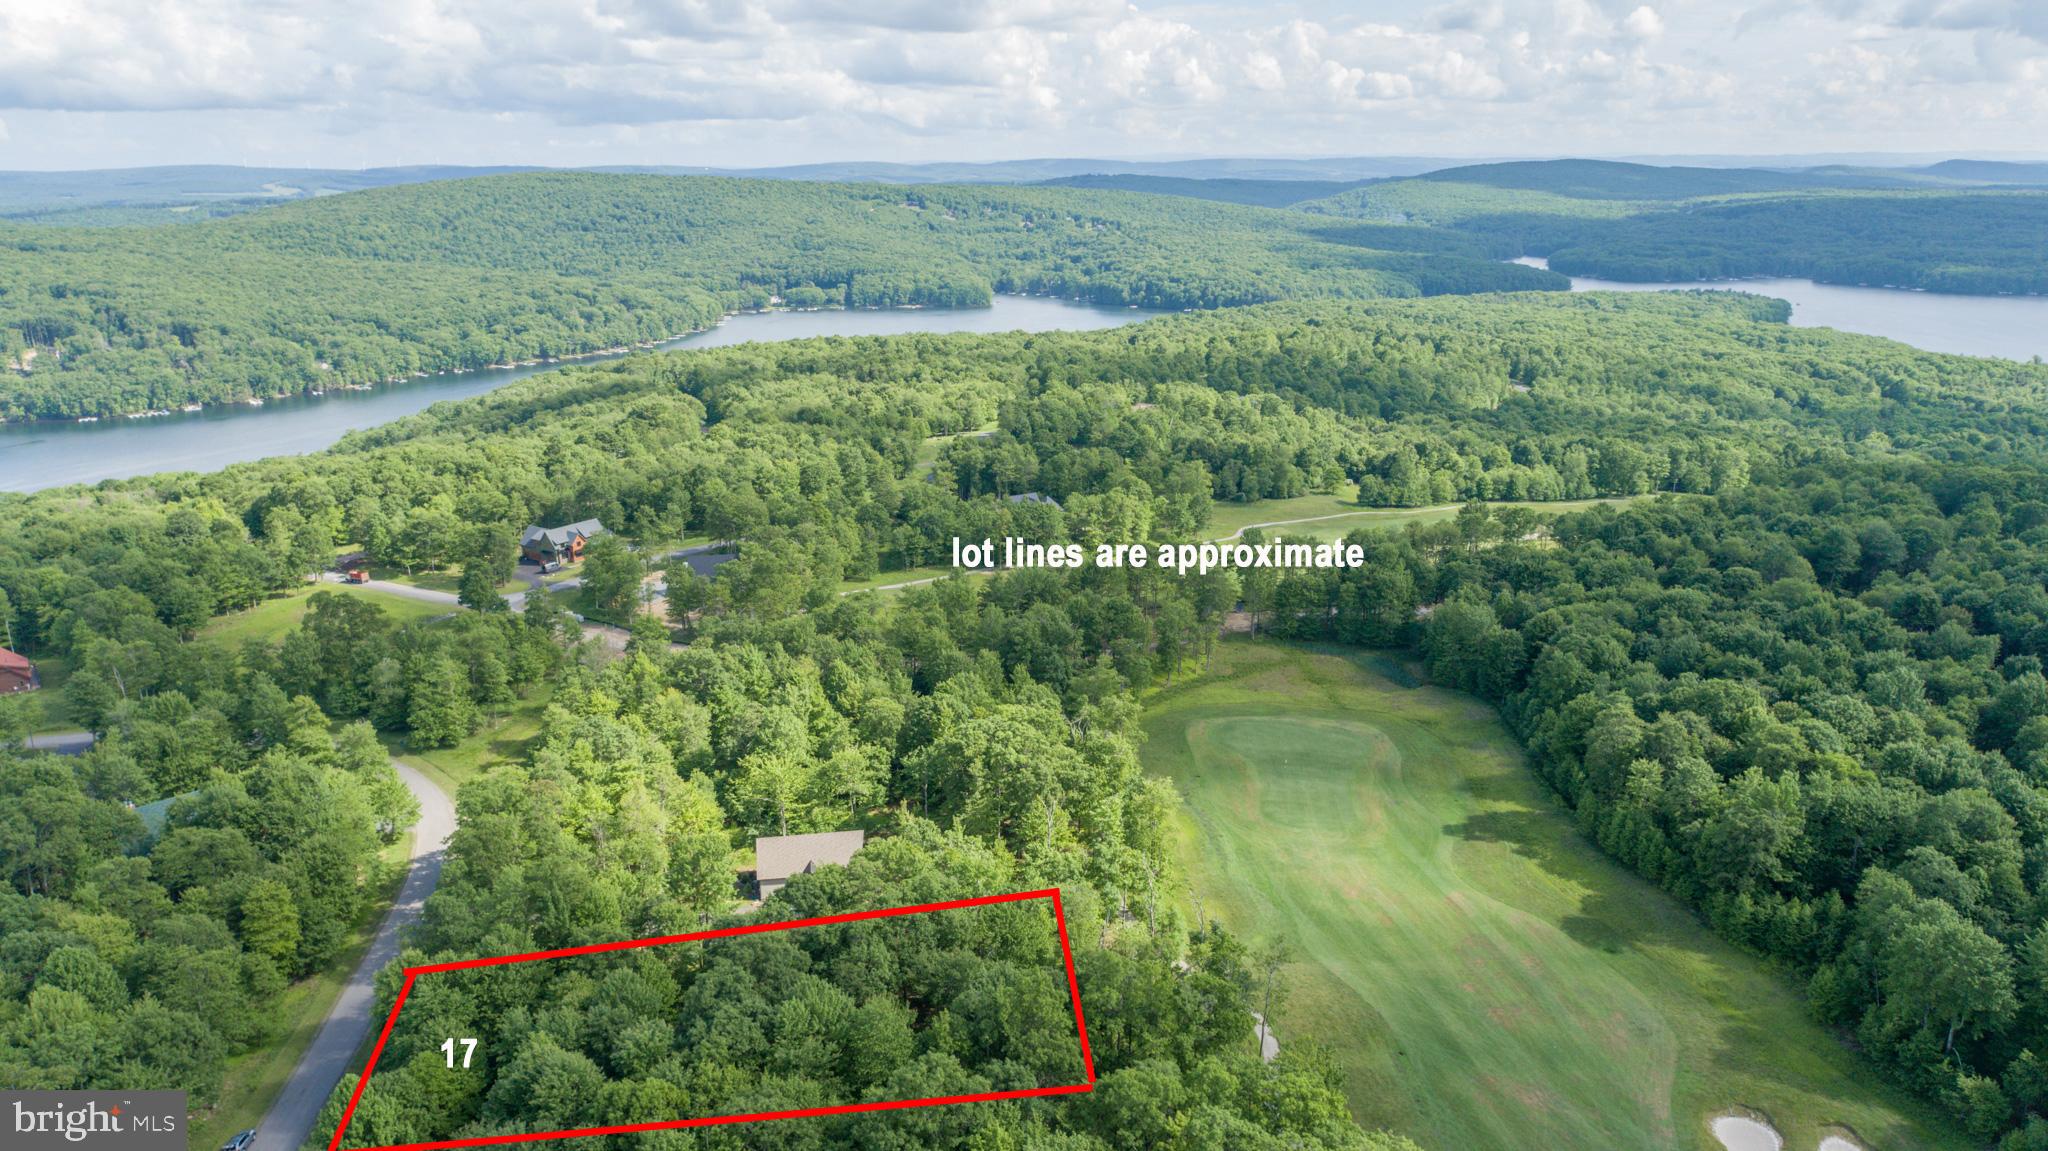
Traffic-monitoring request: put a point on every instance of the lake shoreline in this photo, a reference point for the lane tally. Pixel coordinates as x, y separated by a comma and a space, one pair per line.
52, 453
2005, 327
1709, 283
563, 359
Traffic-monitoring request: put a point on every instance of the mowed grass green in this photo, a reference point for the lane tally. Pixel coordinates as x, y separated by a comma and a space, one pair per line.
271, 619
1484, 975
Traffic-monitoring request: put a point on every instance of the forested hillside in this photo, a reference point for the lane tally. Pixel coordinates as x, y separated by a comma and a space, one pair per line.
1800, 687
1637, 223
142, 959
374, 286
1988, 242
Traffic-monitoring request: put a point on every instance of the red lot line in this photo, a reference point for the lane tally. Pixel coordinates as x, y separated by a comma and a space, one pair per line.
411, 973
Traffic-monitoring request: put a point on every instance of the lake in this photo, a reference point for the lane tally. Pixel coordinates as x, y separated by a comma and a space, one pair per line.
47, 455
2013, 327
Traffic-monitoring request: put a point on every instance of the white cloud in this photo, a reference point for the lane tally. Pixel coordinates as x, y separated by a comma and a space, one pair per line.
759, 81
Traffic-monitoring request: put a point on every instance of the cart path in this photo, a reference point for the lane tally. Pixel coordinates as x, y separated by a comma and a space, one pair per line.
289, 1122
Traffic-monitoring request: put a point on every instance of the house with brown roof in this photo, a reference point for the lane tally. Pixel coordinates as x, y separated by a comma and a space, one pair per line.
16, 673
562, 545
777, 858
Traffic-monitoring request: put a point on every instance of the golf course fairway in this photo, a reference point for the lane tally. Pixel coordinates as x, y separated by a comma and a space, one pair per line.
1484, 976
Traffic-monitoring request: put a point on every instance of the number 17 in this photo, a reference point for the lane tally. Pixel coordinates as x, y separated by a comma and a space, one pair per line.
468, 1049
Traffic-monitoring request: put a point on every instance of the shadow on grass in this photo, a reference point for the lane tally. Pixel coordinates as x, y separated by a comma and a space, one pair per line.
1601, 922
513, 748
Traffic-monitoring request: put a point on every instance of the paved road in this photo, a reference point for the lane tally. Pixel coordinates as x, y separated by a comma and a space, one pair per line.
332, 1052
611, 637
406, 590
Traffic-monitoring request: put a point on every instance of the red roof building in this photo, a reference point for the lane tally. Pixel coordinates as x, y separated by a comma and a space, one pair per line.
16, 673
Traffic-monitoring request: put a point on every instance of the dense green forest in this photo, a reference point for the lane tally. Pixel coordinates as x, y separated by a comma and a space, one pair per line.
101, 317
1800, 686
1638, 223
623, 824
136, 959
1987, 242
376, 286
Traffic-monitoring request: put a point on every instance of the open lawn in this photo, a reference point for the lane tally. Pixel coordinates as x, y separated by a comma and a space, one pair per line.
579, 600
44, 709
502, 739
446, 581
894, 578
272, 618
255, 1077
1331, 517
1485, 976
927, 459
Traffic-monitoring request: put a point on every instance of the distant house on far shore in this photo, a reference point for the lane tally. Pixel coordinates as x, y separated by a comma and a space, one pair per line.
778, 857
16, 673
1032, 498
562, 545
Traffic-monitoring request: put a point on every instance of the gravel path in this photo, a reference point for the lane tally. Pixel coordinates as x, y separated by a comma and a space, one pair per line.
332, 1053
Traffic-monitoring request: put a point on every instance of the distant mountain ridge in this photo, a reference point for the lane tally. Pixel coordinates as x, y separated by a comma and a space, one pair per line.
24, 193
1990, 171
1268, 182
1337, 168
1260, 193
1616, 180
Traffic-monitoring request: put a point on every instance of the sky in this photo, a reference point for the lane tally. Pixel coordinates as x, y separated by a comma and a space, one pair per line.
743, 83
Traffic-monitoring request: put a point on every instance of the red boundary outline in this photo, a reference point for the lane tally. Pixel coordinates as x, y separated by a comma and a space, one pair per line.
412, 973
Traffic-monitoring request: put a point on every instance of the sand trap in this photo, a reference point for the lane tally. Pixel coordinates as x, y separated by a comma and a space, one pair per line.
1839, 1143
1742, 1133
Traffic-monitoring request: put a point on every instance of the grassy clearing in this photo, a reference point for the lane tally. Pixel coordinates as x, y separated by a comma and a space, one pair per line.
1336, 515
1226, 519
272, 618
45, 709
442, 581
254, 1078
1228, 516
579, 600
888, 579
1486, 977
503, 739
927, 460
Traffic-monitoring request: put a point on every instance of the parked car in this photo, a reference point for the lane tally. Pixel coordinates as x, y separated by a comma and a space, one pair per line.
240, 1142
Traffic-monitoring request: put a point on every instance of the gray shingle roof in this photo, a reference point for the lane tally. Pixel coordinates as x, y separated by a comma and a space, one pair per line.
781, 856
560, 537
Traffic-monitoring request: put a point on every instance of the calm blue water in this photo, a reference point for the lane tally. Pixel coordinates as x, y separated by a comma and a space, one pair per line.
44, 455
2011, 327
